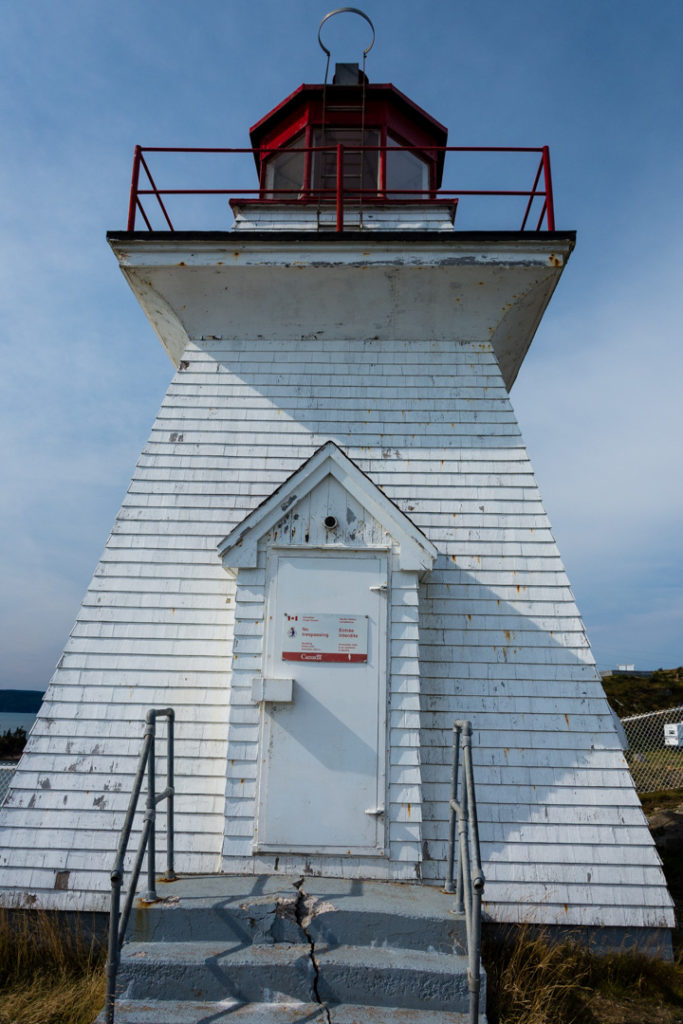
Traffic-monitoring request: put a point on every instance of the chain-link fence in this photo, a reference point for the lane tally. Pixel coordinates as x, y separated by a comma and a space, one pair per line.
655, 749
6, 772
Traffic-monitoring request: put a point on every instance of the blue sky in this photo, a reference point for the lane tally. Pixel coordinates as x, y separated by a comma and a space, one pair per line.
599, 396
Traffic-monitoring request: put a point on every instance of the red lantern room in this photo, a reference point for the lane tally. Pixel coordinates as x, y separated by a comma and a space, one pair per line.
386, 147
346, 155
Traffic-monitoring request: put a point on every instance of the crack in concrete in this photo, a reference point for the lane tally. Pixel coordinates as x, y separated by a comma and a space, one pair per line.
305, 910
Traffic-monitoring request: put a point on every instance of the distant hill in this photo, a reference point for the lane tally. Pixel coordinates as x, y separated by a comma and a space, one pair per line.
20, 702
631, 694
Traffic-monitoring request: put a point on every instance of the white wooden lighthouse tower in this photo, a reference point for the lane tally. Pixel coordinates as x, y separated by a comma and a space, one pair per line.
333, 545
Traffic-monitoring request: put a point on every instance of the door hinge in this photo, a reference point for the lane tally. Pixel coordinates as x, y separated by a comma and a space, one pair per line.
381, 588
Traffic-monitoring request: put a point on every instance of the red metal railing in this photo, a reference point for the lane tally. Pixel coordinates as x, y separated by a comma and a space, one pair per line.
537, 200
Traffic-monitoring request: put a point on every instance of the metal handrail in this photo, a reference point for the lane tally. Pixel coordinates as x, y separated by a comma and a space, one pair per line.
541, 189
469, 885
118, 922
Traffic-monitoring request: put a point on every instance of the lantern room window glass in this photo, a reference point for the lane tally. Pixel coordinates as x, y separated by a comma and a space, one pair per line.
361, 167
407, 174
285, 171
396, 173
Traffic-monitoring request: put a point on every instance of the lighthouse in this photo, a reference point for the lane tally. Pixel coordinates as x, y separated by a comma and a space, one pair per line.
333, 546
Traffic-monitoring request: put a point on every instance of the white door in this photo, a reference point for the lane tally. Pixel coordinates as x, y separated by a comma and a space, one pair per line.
322, 756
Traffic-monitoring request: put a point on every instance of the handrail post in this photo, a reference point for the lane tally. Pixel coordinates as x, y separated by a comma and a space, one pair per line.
133, 201
150, 812
113, 953
170, 874
464, 872
261, 169
448, 887
470, 877
340, 187
478, 875
532, 195
550, 206
118, 919
460, 891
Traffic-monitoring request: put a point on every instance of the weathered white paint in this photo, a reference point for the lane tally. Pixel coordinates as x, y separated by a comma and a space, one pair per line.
365, 516
493, 292
492, 633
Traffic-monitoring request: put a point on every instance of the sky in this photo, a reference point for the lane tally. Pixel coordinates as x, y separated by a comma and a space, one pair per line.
599, 395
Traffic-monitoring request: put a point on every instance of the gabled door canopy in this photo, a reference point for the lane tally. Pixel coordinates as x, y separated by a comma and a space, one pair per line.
240, 548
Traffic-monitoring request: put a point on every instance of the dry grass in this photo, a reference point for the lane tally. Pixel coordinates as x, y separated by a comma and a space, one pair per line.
49, 974
532, 981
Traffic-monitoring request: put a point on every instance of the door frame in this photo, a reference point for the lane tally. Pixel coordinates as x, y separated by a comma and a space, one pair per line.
270, 668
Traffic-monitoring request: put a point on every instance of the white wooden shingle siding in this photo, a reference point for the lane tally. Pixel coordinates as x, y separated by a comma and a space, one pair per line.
492, 634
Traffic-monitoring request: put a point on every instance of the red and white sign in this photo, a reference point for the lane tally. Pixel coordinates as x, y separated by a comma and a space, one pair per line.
309, 637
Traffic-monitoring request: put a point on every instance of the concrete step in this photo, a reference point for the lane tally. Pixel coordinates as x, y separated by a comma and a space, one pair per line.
400, 916
210, 971
350, 1014
279, 909
288, 950
167, 1012
413, 979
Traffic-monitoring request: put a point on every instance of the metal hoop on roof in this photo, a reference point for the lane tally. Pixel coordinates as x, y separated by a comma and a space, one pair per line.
366, 51
347, 10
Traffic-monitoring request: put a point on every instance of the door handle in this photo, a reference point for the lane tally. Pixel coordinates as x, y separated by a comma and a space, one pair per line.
374, 812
